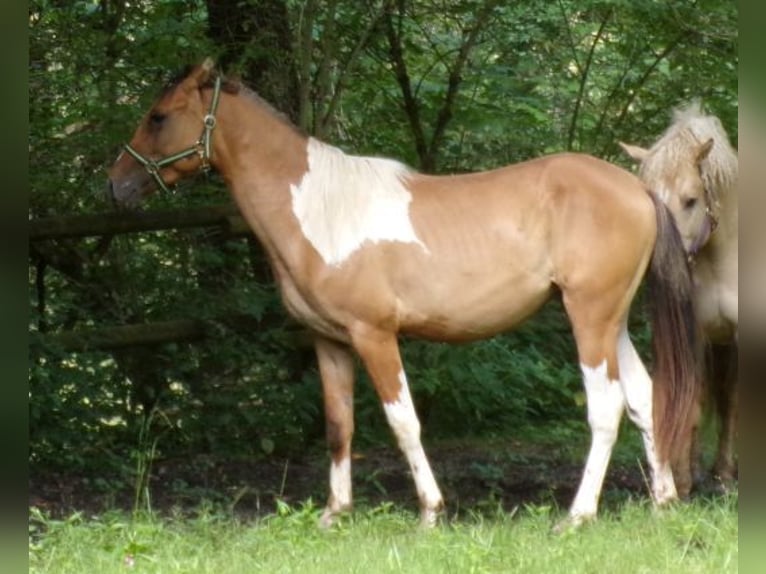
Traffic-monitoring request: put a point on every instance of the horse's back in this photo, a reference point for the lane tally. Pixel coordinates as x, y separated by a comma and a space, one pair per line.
602, 220
496, 243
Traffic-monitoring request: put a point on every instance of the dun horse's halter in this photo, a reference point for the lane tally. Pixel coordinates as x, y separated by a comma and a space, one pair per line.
709, 225
201, 147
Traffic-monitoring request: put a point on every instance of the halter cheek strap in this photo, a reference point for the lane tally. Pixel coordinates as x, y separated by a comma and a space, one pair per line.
709, 225
202, 147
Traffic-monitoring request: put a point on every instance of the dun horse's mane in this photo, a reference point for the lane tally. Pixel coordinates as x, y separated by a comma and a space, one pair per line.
690, 128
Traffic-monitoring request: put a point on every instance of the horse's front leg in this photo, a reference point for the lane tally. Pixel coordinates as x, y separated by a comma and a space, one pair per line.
336, 368
726, 373
379, 351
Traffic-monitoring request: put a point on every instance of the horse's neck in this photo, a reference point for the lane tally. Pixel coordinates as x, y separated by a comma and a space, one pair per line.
724, 240
257, 146
729, 210
260, 156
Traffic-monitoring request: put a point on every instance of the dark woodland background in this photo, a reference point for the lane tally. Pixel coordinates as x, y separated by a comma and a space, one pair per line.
159, 335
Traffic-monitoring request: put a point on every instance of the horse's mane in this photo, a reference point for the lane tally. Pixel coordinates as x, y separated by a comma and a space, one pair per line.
690, 128
230, 85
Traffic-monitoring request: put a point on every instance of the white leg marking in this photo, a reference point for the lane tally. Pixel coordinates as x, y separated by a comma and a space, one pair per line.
340, 492
605, 404
637, 387
406, 426
344, 200
340, 484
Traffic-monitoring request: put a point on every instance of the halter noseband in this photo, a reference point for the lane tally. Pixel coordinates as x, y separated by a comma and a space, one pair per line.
201, 147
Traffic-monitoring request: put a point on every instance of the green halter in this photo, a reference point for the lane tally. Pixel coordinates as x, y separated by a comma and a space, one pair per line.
201, 147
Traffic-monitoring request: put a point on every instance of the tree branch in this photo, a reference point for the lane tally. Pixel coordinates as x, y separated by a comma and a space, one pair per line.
347, 66
411, 107
647, 73
572, 43
584, 79
455, 79
305, 49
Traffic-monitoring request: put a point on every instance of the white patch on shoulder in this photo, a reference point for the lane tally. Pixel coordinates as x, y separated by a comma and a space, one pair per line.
344, 200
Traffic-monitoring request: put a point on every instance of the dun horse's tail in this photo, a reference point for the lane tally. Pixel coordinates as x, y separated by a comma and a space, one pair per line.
676, 344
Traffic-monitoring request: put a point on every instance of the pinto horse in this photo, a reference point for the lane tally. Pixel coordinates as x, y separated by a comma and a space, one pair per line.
365, 249
695, 170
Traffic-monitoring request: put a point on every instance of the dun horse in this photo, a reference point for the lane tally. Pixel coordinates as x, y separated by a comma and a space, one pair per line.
694, 169
364, 249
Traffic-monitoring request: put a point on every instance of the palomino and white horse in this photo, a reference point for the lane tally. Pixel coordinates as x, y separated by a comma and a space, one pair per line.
364, 249
694, 169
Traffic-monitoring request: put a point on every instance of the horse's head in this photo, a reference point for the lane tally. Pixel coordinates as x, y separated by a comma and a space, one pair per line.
171, 142
677, 180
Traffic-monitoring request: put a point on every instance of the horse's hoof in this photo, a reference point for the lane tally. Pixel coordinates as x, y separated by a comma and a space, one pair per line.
326, 520
724, 485
329, 518
571, 523
429, 517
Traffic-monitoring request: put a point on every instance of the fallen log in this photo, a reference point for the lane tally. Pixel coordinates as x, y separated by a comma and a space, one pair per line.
151, 334
119, 222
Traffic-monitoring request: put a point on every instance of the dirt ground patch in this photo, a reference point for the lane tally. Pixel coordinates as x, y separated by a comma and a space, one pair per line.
472, 477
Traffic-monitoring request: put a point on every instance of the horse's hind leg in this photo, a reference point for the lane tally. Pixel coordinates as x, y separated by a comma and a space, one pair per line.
379, 351
605, 403
614, 377
336, 368
638, 390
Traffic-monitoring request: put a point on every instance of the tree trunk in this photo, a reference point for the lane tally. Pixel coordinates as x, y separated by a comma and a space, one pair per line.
256, 42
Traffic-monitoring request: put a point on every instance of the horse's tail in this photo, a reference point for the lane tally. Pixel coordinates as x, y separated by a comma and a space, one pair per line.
676, 342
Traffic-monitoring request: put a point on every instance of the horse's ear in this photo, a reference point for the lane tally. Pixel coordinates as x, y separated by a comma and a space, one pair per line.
704, 150
634, 151
200, 75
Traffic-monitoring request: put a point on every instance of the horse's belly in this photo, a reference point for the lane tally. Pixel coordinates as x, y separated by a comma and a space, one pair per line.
472, 312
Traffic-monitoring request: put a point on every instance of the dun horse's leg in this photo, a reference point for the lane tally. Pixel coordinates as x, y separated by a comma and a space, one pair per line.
336, 368
637, 388
725, 387
685, 465
379, 351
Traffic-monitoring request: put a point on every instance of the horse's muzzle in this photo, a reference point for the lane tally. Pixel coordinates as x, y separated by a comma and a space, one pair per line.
127, 192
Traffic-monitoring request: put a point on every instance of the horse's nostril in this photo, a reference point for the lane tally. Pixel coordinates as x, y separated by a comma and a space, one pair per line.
109, 191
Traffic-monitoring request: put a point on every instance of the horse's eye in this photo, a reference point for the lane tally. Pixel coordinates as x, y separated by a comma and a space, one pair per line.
689, 202
156, 118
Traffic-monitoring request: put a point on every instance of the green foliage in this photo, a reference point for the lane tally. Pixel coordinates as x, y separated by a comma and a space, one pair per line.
527, 377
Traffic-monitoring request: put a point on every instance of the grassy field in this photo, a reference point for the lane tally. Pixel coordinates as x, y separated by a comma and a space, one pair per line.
630, 538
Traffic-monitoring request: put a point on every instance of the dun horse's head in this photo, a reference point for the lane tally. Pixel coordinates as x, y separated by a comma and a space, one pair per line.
172, 141
676, 176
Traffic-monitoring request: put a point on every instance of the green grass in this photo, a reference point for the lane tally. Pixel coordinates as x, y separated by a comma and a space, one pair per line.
634, 538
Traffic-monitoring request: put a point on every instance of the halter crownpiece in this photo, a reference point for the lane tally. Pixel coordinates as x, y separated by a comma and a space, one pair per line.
201, 147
